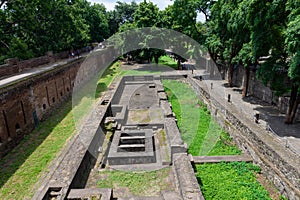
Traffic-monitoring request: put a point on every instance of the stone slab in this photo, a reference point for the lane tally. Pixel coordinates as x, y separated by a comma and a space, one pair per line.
218, 159
187, 182
103, 193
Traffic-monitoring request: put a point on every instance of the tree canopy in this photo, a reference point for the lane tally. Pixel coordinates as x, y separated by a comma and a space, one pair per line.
31, 28
235, 33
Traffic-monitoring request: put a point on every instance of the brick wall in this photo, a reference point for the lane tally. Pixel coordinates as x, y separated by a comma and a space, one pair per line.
29, 101
25, 103
14, 65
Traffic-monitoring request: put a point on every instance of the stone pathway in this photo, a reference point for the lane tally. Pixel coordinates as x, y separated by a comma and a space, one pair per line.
270, 118
218, 159
8, 80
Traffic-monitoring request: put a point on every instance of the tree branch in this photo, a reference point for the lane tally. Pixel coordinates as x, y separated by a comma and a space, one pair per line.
6, 45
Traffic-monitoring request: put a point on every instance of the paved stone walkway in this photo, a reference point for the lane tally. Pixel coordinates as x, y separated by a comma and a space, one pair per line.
270, 117
8, 80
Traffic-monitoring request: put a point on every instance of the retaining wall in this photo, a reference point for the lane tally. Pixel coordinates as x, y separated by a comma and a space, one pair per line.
279, 164
26, 102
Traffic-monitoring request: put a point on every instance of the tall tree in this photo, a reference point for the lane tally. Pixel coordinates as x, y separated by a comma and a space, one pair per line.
292, 41
98, 23
123, 13
239, 26
146, 15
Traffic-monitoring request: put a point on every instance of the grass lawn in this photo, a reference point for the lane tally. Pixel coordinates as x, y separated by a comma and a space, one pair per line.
168, 61
24, 165
230, 181
138, 183
198, 129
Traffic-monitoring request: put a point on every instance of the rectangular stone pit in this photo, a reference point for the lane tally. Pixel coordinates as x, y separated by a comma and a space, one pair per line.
132, 147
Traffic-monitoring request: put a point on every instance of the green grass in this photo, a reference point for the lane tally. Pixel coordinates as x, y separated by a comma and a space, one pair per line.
107, 78
138, 183
198, 129
25, 164
236, 180
22, 167
168, 61
139, 72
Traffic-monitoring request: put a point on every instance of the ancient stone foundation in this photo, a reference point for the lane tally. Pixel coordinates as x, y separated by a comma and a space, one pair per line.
138, 143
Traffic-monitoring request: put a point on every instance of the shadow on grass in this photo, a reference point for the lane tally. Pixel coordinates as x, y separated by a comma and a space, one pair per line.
100, 88
15, 159
107, 78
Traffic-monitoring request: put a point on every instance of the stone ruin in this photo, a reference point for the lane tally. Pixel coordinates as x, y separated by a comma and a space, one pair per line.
145, 137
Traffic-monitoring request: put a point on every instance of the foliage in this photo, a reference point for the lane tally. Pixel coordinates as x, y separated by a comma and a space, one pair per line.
195, 121
123, 13
146, 14
24, 165
31, 28
138, 183
236, 180
168, 61
98, 23
292, 40
184, 18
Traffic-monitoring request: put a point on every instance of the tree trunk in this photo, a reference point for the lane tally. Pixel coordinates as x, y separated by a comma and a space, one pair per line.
179, 64
211, 68
246, 81
230, 75
293, 104
156, 58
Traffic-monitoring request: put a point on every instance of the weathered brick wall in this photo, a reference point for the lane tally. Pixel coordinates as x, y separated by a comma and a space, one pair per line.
26, 102
13, 65
35, 97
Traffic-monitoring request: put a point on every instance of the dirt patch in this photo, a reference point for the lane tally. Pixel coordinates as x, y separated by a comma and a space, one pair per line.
139, 116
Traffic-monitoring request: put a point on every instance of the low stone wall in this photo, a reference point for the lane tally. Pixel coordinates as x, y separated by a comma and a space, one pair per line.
185, 178
279, 165
13, 65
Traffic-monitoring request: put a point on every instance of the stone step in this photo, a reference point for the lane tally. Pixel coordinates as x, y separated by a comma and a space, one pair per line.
132, 137
90, 193
131, 146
